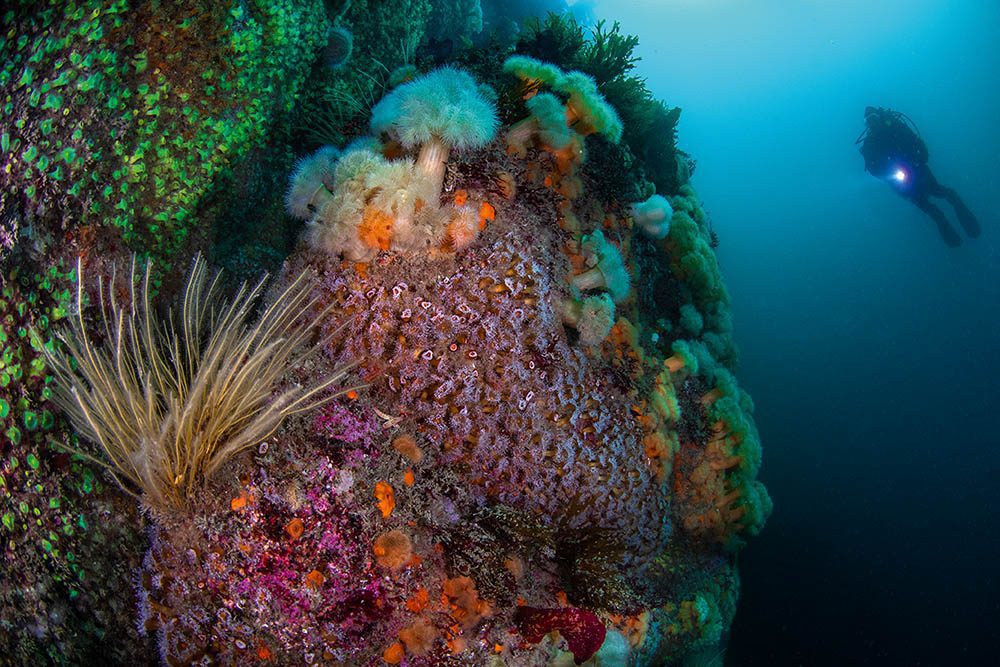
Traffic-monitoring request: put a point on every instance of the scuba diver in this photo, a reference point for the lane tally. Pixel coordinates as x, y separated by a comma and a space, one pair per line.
895, 153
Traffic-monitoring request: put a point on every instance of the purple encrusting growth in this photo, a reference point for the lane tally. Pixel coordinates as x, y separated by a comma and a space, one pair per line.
473, 354
339, 423
289, 573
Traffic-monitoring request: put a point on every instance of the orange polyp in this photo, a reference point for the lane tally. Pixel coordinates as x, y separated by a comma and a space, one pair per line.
487, 212
736, 514
674, 363
564, 160
575, 120
393, 549
394, 654
238, 502
418, 601
506, 184
419, 637
386, 498
315, 579
729, 498
711, 397
461, 197
406, 445
295, 528
408, 477
726, 463
375, 230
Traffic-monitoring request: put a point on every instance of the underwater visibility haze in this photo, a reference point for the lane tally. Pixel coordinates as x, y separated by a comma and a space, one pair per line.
869, 345
453, 332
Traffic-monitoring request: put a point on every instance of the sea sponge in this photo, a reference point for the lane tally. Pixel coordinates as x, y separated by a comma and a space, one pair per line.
607, 268
393, 549
583, 631
592, 317
437, 112
652, 216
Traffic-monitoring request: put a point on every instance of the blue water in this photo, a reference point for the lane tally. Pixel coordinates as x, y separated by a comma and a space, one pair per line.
870, 347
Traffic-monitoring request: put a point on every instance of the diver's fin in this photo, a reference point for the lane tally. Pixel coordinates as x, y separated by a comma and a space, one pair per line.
967, 220
948, 234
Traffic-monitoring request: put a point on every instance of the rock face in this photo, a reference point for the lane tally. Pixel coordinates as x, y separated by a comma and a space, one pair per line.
545, 457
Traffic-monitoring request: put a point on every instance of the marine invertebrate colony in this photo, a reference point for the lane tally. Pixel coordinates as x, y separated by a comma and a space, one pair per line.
436, 113
170, 402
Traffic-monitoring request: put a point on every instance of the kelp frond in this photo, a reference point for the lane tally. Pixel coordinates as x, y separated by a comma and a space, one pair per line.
170, 401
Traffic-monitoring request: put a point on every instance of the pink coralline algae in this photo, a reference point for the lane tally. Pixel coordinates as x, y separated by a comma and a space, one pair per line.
287, 572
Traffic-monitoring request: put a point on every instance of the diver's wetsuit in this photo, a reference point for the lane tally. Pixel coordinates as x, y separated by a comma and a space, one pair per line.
895, 153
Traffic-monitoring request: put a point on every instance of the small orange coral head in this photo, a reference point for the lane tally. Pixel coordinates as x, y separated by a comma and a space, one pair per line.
315, 579
386, 498
461, 197
295, 528
239, 502
394, 654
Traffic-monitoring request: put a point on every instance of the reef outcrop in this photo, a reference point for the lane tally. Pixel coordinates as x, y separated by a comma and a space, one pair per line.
539, 453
